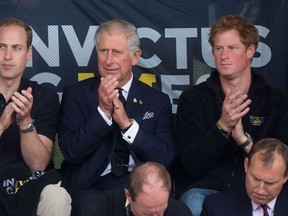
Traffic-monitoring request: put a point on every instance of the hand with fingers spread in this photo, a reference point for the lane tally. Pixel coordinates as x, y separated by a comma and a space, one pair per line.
234, 107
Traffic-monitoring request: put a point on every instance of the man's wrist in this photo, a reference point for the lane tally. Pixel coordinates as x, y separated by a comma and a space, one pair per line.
124, 130
222, 131
30, 126
247, 142
108, 115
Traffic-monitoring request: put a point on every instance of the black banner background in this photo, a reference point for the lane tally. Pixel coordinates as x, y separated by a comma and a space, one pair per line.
173, 38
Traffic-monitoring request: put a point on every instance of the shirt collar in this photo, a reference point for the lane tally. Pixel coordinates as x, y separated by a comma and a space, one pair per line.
127, 203
270, 205
126, 87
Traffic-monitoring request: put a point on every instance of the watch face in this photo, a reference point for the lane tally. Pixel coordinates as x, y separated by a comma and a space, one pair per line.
30, 127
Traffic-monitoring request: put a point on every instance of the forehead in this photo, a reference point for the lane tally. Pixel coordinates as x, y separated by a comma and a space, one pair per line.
13, 34
113, 38
230, 36
272, 170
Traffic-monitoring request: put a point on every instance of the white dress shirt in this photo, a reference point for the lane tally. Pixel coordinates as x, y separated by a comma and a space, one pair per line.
129, 135
258, 211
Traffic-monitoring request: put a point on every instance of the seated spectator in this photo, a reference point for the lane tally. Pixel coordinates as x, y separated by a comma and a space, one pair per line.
28, 124
265, 193
109, 123
218, 120
147, 193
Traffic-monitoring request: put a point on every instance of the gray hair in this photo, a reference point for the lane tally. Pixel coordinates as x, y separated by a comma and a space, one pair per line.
133, 41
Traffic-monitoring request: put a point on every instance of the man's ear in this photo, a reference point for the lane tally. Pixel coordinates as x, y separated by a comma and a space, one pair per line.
128, 196
29, 53
246, 163
136, 56
251, 51
285, 179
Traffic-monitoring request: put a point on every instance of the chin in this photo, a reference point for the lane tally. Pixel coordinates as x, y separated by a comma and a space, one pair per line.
259, 200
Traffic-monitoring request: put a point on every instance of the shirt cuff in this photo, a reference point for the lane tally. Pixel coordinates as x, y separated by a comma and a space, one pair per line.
107, 120
131, 133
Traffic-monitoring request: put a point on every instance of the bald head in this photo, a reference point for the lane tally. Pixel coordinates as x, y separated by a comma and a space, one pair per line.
149, 174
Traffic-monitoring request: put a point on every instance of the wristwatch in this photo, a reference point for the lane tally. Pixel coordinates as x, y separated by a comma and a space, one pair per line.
247, 142
30, 127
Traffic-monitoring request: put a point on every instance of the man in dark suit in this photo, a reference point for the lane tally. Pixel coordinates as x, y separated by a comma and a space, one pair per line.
265, 193
147, 193
97, 125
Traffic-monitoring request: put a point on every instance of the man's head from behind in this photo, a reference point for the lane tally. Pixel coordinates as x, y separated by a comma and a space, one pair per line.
148, 189
266, 170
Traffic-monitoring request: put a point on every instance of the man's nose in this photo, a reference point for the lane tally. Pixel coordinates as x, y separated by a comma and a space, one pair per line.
110, 58
261, 188
8, 54
224, 54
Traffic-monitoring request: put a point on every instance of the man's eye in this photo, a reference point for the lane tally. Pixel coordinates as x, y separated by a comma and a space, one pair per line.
116, 52
269, 183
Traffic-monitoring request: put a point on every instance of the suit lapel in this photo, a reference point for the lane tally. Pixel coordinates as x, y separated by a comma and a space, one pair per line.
281, 207
137, 101
92, 92
244, 205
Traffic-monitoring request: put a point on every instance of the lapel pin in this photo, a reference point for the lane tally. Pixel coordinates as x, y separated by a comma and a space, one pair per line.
134, 100
140, 102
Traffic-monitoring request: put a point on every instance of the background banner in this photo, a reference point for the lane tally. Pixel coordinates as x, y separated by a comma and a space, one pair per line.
174, 38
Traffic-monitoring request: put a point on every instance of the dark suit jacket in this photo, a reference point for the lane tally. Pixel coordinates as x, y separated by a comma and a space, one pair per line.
112, 203
237, 203
87, 142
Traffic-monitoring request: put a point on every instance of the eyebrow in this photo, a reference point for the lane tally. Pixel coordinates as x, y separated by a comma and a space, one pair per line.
266, 182
13, 45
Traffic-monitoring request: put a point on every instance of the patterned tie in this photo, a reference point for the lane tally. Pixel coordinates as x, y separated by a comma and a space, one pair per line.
120, 157
265, 212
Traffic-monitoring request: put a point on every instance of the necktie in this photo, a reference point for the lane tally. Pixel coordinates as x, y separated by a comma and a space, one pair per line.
265, 212
121, 97
120, 157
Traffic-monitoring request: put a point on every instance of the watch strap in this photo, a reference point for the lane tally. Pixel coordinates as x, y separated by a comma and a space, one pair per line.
30, 127
247, 142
